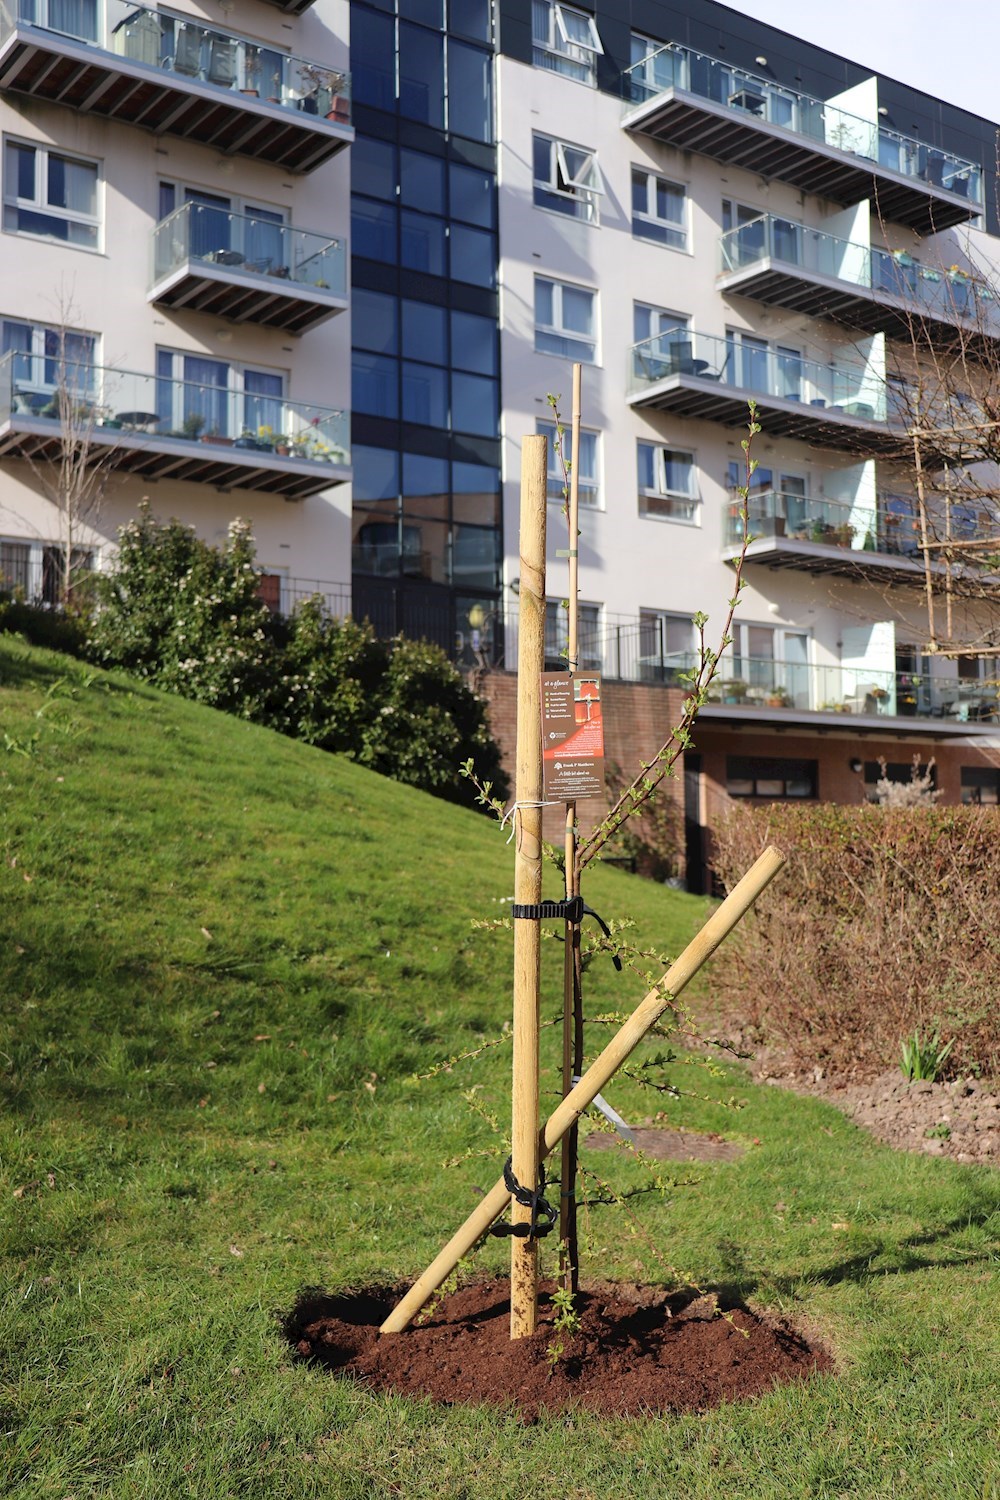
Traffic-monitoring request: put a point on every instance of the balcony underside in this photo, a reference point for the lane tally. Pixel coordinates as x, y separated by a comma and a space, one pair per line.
690, 123
823, 426
292, 7
838, 562
852, 726
60, 70
153, 457
273, 303
865, 308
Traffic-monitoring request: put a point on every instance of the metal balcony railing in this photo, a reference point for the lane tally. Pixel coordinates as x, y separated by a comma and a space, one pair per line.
944, 293
888, 527
109, 404
732, 361
250, 246
186, 49
755, 97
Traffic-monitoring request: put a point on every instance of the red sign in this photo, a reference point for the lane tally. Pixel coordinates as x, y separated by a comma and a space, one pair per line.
572, 736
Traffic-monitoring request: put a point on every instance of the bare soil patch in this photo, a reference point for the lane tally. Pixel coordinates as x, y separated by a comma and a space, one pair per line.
671, 1145
638, 1351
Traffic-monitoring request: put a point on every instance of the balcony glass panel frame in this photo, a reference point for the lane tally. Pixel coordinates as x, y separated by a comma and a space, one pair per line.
248, 245
675, 67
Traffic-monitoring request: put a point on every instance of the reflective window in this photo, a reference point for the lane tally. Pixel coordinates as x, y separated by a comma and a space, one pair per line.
374, 321
422, 243
425, 332
374, 381
473, 256
470, 91
427, 12
474, 405
373, 168
475, 557
421, 182
473, 343
421, 75
425, 486
373, 78
376, 473
565, 320
373, 230
475, 492
425, 395
470, 18
472, 195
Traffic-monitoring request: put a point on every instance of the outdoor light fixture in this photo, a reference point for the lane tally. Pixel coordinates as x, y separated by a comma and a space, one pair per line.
761, 62
856, 765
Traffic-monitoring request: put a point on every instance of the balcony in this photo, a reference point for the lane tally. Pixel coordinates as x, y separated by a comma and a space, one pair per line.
178, 77
755, 690
292, 7
841, 405
697, 103
160, 428
253, 270
789, 265
824, 536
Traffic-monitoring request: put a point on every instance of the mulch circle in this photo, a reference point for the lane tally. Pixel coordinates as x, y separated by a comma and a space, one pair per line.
637, 1352
671, 1145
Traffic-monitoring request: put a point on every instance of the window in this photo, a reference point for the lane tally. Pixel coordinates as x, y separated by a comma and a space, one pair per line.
76, 18
771, 778
979, 783
588, 636
43, 358
655, 67
666, 645
659, 210
565, 40
15, 566
565, 321
589, 482
198, 396
51, 196
567, 178
667, 483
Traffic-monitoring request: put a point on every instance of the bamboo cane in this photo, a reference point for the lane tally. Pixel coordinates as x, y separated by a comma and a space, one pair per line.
528, 879
572, 996
622, 1044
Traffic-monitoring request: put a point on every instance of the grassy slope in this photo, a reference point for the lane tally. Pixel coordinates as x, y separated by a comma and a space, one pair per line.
213, 940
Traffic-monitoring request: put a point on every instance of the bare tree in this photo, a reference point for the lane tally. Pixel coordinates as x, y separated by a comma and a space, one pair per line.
74, 466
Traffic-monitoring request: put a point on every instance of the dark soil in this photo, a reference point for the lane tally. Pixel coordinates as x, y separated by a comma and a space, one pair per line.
637, 1351
671, 1145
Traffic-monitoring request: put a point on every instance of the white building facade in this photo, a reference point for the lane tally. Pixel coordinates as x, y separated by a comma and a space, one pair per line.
176, 277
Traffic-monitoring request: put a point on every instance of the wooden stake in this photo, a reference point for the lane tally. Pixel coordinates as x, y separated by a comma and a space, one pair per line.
528, 878
624, 1042
572, 988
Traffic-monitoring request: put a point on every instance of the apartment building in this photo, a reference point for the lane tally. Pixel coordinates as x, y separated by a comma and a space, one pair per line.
703, 210
175, 279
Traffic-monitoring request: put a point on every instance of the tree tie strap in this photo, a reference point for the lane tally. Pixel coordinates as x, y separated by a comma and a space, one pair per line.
537, 1226
574, 910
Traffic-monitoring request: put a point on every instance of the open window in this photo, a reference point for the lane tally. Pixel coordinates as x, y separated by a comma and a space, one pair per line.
565, 40
567, 178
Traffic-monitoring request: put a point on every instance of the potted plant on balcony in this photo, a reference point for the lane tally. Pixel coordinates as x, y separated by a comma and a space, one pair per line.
251, 71
323, 88
779, 697
192, 425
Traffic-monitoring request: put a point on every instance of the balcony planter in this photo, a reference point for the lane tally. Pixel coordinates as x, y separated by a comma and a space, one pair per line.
220, 442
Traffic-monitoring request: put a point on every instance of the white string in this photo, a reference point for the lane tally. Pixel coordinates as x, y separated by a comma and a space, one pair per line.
516, 807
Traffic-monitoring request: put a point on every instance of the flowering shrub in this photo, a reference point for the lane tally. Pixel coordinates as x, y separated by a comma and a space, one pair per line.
189, 618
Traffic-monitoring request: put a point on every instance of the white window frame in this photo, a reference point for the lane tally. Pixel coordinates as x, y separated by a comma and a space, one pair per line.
574, 179
578, 342
43, 23
36, 381
13, 204
588, 631
651, 226
673, 502
242, 207
590, 484
235, 390
579, 59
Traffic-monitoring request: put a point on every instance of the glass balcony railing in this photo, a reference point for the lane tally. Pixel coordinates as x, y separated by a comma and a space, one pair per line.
107, 404
943, 293
888, 527
676, 67
746, 365
248, 245
189, 50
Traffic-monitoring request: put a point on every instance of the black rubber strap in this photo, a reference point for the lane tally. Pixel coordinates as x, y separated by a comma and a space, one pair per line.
573, 910
543, 1215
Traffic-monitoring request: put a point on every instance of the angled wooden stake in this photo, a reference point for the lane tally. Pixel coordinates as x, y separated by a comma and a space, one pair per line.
528, 878
719, 925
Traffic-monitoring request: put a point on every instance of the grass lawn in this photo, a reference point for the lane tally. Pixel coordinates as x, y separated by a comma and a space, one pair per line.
223, 956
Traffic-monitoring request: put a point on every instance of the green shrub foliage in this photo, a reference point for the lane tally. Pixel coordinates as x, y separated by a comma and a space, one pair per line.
188, 617
56, 629
883, 923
